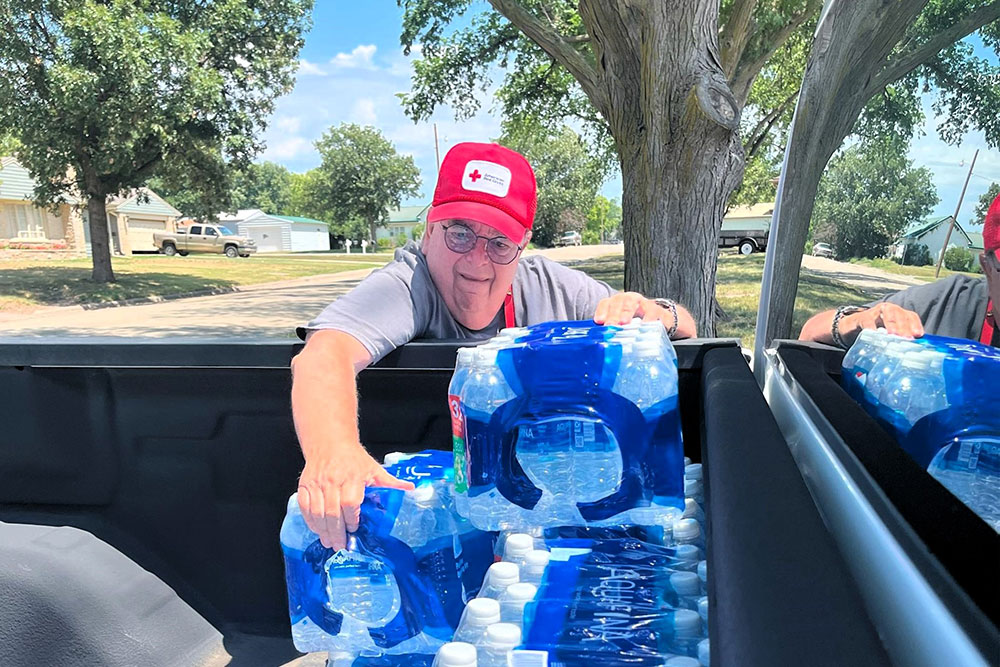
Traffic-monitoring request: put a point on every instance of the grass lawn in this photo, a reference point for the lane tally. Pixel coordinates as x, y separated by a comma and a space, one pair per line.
738, 290
925, 272
26, 283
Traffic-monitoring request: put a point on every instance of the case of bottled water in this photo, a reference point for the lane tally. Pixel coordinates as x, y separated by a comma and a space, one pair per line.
568, 423
937, 397
400, 585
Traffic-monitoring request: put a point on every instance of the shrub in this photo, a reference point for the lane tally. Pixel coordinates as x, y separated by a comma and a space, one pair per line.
809, 248
917, 254
958, 259
386, 244
418, 231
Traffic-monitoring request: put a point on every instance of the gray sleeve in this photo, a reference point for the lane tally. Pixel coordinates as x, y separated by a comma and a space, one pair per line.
379, 312
921, 299
590, 291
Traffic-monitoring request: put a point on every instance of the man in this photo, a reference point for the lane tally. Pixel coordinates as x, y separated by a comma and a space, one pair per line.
958, 306
465, 280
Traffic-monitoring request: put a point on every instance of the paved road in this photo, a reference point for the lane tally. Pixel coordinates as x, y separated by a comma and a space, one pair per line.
274, 310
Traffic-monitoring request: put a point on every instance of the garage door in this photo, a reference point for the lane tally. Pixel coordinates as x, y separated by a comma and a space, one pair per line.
268, 238
140, 233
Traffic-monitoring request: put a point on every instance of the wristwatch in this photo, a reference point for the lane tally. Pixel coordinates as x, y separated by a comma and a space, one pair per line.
835, 326
670, 305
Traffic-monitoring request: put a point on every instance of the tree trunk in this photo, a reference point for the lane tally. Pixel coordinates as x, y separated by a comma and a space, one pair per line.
371, 230
675, 124
99, 240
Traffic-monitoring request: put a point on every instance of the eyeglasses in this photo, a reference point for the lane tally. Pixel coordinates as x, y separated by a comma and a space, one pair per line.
459, 238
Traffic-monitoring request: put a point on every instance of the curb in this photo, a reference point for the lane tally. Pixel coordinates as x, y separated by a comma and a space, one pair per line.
139, 300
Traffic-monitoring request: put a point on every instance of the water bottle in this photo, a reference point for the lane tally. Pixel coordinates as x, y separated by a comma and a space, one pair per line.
479, 614
513, 600
858, 361
688, 532
456, 654
878, 377
692, 510
685, 589
703, 609
517, 547
703, 572
681, 661
704, 652
969, 467
498, 578
500, 639
534, 566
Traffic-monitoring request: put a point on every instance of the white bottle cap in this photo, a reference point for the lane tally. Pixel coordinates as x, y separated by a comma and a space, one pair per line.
503, 636
703, 608
687, 461
647, 348
692, 487
465, 355
704, 652
688, 552
486, 356
519, 592
536, 561
687, 622
423, 493
681, 661
686, 530
456, 654
502, 575
703, 571
690, 508
685, 583
392, 458
482, 611
517, 546
693, 471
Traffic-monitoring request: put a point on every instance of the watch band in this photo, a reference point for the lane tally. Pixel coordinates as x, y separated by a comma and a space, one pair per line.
670, 305
835, 326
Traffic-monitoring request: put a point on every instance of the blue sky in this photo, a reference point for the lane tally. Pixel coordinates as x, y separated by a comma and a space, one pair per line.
352, 67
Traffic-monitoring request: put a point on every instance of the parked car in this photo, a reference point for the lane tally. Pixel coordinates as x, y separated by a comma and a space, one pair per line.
569, 238
823, 250
214, 239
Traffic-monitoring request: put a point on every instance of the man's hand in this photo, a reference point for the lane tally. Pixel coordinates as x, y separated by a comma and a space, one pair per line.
895, 319
331, 491
620, 308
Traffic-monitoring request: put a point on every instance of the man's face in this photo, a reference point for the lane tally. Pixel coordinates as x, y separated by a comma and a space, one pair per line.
990, 261
473, 285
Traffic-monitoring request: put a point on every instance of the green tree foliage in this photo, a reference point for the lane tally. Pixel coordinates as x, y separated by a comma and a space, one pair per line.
8, 144
102, 94
983, 205
360, 178
263, 185
869, 194
604, 221
568, 176
958, 259
917, 254
418, 231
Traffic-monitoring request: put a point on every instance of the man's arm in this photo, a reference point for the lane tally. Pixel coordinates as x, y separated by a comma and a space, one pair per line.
895, 319
620, 308
325, 410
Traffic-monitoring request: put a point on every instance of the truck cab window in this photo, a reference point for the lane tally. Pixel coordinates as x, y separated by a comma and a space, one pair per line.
196, 229
209, 231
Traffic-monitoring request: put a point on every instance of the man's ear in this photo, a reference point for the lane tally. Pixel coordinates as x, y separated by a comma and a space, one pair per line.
427, 231
526, 240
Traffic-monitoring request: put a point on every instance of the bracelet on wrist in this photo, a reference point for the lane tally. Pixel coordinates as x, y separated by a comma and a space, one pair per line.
835, 326
671, 305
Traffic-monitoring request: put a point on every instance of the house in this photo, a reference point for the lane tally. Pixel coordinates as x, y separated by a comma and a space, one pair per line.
931, 233
753, 217
278, 233
132, 219
402, 221
26, 226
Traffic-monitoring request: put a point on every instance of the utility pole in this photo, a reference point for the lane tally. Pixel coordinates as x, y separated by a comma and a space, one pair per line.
437, 152
951, 225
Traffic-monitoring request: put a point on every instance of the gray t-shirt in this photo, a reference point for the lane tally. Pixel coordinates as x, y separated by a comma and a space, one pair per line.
399, 302
954, 306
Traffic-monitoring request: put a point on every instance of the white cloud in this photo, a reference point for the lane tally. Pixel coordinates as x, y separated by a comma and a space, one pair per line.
288, 124
291, 148
363, 112
360, 57
307, 68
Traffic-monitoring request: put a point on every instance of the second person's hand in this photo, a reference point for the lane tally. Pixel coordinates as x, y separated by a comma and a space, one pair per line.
331, 490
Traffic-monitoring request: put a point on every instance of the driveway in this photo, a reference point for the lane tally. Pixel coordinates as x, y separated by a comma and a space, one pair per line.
274, 310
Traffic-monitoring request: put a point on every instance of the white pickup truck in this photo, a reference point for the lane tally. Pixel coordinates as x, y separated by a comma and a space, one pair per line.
204, 238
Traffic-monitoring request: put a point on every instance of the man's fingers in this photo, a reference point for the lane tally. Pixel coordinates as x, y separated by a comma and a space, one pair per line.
600, 316
384, 479
307, 504
333, 531
350, 502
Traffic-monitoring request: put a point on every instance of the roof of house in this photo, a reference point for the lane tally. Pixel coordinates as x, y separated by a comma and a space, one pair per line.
296, 218
919, 228
975, 240
241, 215
762, 210
409, 214
17, 183
133, 204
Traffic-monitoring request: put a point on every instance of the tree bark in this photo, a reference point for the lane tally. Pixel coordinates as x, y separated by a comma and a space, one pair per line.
675, 125
99, 239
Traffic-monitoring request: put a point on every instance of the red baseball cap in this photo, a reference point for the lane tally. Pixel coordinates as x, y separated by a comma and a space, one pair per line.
991, 227
486, 183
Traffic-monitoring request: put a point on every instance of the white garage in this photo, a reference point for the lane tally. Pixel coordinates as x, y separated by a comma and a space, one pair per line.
140, 233
136, 217
279, 233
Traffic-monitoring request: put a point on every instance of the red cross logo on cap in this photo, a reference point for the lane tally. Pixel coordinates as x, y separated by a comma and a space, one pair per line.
475, 175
